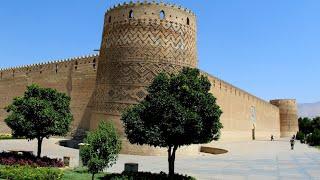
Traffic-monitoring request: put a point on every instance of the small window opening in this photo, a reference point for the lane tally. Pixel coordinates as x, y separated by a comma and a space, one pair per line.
162, 15
131, 14
13, 73
1, 75
188, 21
56, 68
76, 65
94, 64
109, 19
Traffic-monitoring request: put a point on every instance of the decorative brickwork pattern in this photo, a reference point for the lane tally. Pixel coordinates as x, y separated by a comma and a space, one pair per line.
151, 41
137, 45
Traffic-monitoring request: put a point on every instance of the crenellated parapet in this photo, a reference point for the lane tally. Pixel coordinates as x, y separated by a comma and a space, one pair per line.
221, 86
144, 3
54, 65
153, 12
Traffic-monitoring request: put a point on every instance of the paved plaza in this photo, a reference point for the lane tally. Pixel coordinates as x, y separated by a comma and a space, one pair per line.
259, 159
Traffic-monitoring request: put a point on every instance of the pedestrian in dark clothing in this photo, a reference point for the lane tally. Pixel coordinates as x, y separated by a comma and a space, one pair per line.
292, 143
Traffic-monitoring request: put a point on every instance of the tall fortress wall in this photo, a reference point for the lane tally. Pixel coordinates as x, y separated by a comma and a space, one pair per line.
139, 41
75, 76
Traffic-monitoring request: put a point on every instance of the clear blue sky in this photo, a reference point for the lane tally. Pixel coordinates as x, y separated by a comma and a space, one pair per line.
269, 48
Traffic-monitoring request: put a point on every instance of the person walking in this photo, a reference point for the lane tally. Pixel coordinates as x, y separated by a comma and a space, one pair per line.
272, 137
292, 143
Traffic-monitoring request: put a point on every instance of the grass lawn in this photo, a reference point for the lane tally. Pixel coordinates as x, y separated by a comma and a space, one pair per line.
80, 174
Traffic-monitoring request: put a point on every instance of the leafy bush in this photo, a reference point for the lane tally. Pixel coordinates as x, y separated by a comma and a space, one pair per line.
145, 176
305, 125
29, 173
314, 138
6, 136
103, 148
300, 135
28, 159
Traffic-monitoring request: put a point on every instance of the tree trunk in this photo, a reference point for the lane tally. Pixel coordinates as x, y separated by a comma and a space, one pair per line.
39, 147
92, 177
171, 159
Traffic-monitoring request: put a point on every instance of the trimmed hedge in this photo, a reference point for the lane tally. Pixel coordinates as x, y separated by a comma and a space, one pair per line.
9, 158
145, 176
29, 173
5, 136
8, 136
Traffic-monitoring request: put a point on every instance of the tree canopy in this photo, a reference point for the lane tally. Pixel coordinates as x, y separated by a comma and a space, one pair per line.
309, 129
178, 110
305, 125
40, 113
102, 148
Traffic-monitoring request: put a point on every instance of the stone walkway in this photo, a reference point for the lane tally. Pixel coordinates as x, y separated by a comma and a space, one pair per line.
245, 160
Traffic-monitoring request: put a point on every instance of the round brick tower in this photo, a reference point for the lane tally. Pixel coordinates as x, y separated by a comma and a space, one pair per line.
288, 116
139, 41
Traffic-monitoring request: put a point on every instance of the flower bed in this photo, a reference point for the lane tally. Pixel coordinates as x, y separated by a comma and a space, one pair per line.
28, 159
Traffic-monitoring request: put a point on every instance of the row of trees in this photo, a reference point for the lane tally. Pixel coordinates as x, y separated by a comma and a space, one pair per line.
178, 111
309, 130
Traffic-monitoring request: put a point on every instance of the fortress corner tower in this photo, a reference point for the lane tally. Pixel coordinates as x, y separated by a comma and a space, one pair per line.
288, 116
140, 40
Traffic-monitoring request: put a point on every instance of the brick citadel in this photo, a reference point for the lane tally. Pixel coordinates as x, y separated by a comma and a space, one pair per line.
139, 41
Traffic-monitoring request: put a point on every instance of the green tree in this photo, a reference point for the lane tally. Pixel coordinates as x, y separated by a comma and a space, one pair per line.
305, 125
40, 113
178, 111
313, 139
316, 123
102, 149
